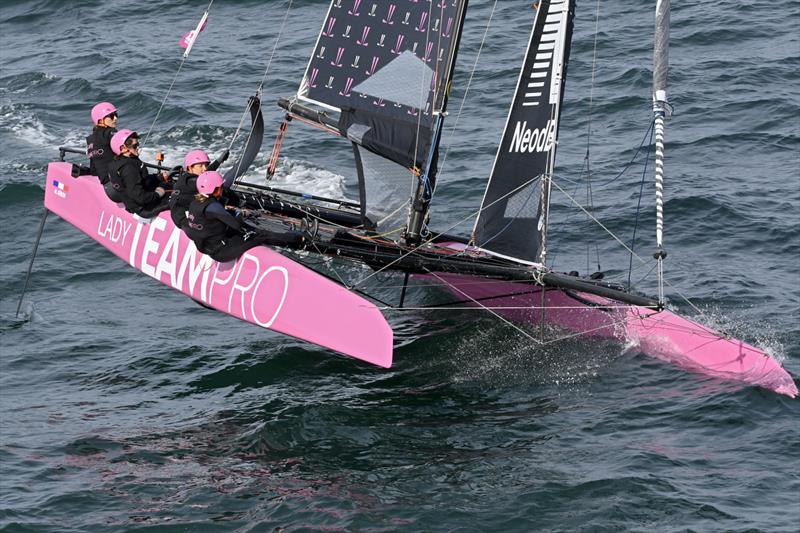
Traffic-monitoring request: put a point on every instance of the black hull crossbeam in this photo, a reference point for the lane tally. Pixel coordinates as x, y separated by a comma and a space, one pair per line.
395, 257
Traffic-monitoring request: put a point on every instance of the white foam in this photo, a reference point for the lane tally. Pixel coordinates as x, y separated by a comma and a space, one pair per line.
23, 124
760, 335
292, 174
304, 177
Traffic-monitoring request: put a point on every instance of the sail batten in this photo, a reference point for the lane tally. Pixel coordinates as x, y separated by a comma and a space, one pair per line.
513, 216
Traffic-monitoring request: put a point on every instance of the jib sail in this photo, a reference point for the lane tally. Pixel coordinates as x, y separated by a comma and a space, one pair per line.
513, 217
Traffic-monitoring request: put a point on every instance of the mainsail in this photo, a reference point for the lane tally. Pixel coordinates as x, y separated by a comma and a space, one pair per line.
513, 216
386, 68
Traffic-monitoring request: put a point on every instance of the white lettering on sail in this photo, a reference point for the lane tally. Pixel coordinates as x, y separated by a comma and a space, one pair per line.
536, 140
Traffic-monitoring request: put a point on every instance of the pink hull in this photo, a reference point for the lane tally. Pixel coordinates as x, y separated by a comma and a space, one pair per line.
262, 287
663, 335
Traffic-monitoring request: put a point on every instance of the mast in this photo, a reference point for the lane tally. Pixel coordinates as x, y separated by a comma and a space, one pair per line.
556, 90
660, 107
423, 191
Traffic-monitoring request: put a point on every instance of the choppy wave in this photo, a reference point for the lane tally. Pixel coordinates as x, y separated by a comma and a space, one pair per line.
126, 406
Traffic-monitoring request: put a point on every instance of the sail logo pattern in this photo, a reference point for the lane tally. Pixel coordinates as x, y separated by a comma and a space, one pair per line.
360, 38
533, 140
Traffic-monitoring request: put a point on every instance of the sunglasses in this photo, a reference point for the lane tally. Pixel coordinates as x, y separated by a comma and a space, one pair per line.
112, 116
133, 146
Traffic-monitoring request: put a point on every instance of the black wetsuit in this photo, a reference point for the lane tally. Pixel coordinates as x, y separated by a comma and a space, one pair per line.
136, 187
182, 197
185, 191
98, 148
217, 233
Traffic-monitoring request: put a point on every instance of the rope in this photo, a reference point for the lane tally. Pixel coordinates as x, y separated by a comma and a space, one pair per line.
260, 88
525, 333
163, 102
500, 308
430, 240
633, 254
171, 85
393, 213
565, 193
633, 159
423, 175
628, 165
587, 160
466, 90
638, 209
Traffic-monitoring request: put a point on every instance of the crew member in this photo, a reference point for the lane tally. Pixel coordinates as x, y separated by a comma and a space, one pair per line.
143, 194
195, 163
98, 144
218, 232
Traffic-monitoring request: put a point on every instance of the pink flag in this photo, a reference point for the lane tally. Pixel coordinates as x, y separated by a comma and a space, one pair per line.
189, 39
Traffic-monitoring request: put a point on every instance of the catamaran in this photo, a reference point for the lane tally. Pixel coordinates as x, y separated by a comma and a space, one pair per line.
379, 77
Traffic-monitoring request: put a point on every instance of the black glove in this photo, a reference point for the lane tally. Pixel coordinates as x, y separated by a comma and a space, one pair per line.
79, 170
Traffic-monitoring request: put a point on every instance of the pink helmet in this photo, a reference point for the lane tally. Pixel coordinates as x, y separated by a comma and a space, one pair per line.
102, 110
207, 182
118, 140
194, 157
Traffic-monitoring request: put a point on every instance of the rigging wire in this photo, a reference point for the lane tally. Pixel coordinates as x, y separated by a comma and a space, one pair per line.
495, 308
638, 209
467, 88
588, 214
423, 176
589, 195
633, 159
634, 254
434, 237
171, 85
624, 169
260, 88
453, 287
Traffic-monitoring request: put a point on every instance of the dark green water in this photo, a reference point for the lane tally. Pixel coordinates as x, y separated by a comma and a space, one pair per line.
126, 407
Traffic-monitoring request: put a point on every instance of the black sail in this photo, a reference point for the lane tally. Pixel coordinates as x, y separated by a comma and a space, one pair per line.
386, 66
513, 220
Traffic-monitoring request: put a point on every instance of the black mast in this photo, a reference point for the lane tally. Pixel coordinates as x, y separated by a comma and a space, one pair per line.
421, 198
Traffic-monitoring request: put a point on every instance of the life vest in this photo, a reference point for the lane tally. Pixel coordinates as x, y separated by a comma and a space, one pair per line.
207, 233
115, 174
124, 170
182, 197
98, 148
